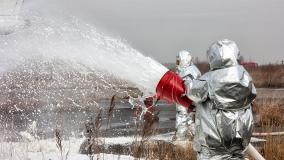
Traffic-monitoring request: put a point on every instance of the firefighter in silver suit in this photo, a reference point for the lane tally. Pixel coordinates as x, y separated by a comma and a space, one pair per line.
223, 98
184, 120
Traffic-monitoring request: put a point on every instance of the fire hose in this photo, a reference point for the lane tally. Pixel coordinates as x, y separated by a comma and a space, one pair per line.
254, 153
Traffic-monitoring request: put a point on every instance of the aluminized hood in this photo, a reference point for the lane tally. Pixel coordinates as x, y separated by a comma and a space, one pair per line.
222, 54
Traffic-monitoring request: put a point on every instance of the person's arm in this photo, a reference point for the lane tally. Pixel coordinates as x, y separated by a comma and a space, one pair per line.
196, 90
191, 72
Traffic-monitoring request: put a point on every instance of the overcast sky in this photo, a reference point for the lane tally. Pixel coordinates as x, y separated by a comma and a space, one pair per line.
161, 28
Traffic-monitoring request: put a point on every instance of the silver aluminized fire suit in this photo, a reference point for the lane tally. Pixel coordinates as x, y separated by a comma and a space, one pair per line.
184, 120
224, 120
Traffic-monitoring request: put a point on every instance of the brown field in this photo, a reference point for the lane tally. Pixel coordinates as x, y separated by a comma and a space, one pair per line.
264, 76
269, 118
268, 76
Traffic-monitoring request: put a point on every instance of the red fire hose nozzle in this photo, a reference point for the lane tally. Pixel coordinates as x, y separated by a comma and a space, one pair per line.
171, 88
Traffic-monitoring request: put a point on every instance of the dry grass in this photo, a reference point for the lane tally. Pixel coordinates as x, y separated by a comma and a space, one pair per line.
270, 119
268, 76
270, 112
264, 76
274, 148
59, 145
157, 149
162, 150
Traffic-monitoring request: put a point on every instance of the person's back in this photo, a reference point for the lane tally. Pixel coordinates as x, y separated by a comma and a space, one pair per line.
224, 95
230, 88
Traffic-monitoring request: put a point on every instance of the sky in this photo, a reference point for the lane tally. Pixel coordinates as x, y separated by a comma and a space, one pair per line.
161, 28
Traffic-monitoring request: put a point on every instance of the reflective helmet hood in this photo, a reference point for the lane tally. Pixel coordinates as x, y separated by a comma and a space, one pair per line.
222, 54
184, 59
